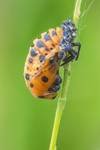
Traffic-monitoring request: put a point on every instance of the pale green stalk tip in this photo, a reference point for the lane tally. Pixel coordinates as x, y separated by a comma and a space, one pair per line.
77, 11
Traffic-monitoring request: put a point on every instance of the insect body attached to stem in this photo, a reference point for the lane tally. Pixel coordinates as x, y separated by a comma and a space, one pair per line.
55, 48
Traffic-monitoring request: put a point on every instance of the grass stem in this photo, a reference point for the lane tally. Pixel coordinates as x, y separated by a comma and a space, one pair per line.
66, 81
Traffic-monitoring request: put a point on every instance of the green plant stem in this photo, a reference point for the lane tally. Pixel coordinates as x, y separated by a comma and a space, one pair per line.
60, 107
66, 80
77, 12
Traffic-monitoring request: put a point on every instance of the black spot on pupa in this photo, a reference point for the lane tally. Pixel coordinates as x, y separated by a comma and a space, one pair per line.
37, 68
44, 79
51, 48
27, 76
46, 53
31, 85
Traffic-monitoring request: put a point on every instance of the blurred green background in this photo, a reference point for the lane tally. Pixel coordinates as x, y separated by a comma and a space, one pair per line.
25, 122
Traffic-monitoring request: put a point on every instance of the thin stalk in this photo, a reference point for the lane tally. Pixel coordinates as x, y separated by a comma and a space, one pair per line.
66, 81
77, 12
60, 108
